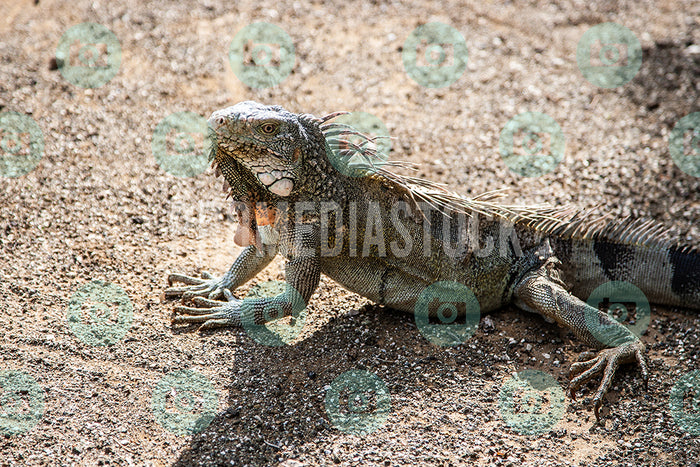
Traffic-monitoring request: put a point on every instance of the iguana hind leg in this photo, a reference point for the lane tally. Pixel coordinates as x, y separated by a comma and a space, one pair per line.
542, 291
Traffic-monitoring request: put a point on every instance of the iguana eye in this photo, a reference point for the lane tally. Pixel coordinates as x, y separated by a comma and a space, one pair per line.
269, 128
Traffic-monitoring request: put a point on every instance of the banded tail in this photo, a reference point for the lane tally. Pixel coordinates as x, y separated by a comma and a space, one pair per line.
636, 252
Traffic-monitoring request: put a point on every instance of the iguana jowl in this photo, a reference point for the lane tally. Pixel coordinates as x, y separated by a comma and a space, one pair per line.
282, 168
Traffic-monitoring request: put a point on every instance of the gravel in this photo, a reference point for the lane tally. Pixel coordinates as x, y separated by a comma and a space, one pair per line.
98, 207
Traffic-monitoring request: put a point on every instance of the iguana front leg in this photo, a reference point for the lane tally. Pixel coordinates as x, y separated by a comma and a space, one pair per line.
541, 291
250, 262
302, 271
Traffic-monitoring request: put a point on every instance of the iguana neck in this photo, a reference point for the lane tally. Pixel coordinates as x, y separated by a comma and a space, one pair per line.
319, 181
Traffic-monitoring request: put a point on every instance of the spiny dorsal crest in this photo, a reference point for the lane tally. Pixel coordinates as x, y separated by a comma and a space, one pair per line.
567, 223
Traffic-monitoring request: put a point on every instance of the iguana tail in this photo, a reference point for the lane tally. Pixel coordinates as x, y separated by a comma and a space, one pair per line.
667, 273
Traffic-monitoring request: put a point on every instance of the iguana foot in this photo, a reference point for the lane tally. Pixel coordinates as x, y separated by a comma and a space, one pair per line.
208, 286
607, 361
211, 313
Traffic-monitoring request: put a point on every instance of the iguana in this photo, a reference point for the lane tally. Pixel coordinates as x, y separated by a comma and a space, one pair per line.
388, 237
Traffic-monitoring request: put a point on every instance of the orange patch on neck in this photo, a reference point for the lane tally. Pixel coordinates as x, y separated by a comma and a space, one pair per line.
264, 215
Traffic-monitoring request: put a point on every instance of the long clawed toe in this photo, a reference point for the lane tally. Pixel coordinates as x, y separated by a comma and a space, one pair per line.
204, 292
195, 315
208, 320
585, 371
188, 310
177, 292
206, 302
188, 280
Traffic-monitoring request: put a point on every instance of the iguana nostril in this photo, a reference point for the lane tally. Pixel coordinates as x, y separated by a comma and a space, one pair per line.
216, 121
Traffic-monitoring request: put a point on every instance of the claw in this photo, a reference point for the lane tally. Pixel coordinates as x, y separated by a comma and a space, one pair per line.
211, 313
641, 358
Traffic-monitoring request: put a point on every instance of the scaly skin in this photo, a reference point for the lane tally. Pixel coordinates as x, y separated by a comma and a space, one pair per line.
387, 238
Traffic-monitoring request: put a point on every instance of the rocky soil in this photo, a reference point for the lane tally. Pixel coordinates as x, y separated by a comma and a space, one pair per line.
98, 207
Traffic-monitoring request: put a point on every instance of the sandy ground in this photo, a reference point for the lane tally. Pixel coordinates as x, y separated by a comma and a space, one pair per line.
97, 207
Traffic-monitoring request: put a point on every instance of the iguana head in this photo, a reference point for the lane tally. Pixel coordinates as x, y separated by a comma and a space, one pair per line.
266, 154
266, 141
